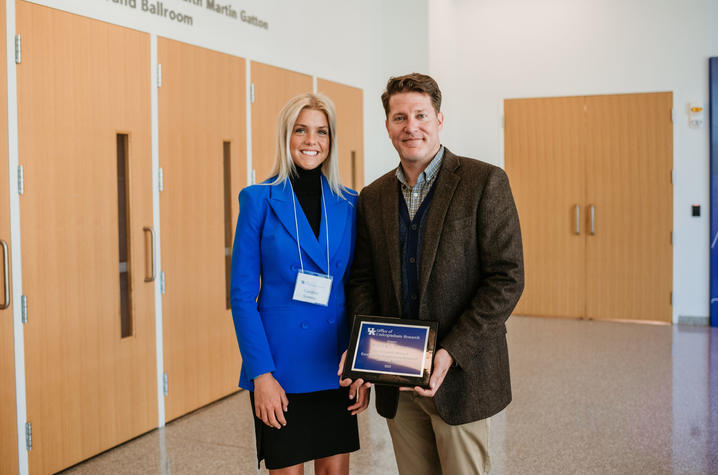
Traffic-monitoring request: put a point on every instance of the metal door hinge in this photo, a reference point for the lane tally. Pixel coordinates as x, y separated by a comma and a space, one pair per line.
165, 385
18, 49
163, 288
673, 177
161, 180
254, 177
20, 180
251, 93
671, 298
673, 116
159, 75
28, 436
23, 308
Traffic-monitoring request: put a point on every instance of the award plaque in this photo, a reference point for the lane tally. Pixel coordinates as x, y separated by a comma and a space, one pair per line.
391, 351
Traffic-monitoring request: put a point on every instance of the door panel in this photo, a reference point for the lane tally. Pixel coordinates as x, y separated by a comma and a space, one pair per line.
612, 155
199, 127
80, 84
629, 159
544, 161
349, 103
273, 87
8, 412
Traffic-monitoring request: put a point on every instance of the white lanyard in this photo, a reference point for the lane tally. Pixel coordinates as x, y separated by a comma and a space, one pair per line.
312, 287
296, 227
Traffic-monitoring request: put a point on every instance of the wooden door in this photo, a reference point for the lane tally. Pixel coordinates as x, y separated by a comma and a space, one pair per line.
8, 412
349, 103
612, 156
629, 160
544, 160
202, 140
273, 87
85, 145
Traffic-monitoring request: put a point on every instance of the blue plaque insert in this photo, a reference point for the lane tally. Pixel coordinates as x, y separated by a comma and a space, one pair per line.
391, 349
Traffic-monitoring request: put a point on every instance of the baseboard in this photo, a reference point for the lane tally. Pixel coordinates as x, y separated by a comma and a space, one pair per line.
695, 321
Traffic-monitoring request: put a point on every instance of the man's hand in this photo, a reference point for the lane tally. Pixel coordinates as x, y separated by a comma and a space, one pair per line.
270, 401
359, 388
442, 362
362, 401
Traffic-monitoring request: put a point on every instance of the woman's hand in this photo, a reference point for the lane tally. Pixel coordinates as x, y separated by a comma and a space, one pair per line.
270, 401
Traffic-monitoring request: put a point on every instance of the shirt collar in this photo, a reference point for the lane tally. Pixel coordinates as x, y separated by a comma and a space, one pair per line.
429, 172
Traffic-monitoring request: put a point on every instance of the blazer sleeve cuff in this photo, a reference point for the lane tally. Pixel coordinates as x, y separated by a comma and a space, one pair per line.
461, 352
259, 370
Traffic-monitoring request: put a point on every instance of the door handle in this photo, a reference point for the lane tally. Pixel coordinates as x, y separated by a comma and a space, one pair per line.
593, 220
152, 251
578, 220
6, 275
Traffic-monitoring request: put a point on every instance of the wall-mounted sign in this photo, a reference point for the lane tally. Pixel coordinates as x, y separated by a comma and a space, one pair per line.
183, 14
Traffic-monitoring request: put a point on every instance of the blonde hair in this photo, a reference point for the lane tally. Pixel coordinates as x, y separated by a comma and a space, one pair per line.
284, 166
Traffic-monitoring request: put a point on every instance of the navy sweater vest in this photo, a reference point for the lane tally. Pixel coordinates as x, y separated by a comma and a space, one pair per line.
411, 234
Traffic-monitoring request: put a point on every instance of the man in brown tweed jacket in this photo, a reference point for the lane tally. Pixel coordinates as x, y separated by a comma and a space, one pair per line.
438, 238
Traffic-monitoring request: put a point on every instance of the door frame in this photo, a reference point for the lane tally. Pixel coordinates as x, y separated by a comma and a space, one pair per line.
16, 255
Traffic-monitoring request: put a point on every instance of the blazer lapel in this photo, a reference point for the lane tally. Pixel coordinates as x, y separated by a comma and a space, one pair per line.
337, 210
390, 223
283, 205
444, 189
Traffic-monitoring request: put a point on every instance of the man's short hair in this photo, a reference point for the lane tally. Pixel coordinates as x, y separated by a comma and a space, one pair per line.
414, 82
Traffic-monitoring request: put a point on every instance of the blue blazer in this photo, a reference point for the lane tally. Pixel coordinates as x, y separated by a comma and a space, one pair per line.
301, 343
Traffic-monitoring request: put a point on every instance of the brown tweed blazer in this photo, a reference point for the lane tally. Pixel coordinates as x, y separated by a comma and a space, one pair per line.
470, 278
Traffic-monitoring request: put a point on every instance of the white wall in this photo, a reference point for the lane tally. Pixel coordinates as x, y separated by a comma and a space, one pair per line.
352, 42
484, 51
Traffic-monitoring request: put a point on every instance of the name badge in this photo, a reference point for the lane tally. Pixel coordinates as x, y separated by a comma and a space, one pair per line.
313, 288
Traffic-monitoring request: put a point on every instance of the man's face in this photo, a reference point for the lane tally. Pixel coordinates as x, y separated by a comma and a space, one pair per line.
414, 126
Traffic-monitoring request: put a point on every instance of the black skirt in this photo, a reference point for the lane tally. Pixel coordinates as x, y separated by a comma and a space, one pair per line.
318, 426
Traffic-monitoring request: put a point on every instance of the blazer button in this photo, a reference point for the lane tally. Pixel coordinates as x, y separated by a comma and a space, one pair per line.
330, 320
294, 268
304, 325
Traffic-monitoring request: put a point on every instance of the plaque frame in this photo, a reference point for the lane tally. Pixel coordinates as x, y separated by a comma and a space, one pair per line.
388, 377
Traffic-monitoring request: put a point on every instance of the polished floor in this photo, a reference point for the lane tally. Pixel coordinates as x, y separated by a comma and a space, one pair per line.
590, 397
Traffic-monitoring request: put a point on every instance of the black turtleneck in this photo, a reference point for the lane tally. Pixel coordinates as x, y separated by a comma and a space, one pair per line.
307, 186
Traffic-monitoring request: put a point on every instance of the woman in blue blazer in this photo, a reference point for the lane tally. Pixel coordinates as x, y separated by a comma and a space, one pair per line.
292, 250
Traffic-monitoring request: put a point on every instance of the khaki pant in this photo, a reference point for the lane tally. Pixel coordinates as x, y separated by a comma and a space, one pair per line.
425, 444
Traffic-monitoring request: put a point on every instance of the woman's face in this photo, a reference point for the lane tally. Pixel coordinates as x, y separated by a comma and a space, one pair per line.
309, 143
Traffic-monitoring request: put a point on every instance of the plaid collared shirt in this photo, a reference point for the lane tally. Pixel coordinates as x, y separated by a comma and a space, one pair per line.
414, 195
